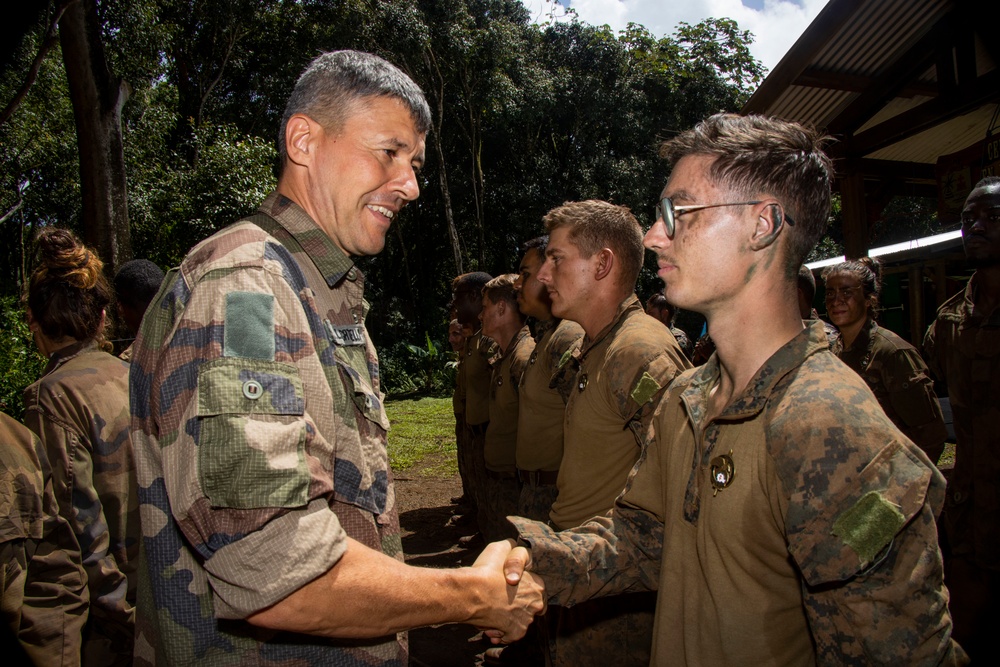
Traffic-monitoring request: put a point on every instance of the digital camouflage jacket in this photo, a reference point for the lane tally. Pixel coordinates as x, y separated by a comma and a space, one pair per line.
796, 528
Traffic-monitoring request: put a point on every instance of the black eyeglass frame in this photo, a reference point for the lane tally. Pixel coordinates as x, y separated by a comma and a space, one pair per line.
667, 212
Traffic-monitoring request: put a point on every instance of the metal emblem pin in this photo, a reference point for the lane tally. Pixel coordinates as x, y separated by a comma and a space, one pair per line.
534, 355
582, 384
723, 471
500, 381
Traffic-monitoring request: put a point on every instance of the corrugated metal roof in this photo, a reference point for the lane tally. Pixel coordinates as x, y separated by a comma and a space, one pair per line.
855, 46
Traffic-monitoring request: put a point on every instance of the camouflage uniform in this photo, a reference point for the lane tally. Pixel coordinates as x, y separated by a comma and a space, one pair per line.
260, 436
621, 374
80, 411
832, 333
43, 590
502, 488
543, 391
683, 342
962, 347
800, 526
898, 377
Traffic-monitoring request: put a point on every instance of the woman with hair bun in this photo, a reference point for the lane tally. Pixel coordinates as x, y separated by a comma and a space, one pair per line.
80, 411
893, 368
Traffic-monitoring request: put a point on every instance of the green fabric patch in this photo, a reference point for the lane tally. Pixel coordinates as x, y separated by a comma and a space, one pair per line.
869, 525
249, 328
565, 357
645, 389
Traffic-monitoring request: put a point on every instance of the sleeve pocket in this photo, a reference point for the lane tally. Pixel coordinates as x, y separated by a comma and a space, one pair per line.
838, 543
252, 434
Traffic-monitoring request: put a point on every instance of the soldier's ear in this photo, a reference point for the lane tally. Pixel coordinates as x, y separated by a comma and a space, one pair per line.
605, 263
301, 135
769, 223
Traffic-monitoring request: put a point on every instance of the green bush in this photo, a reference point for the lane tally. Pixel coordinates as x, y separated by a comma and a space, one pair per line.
409, 370
19, 358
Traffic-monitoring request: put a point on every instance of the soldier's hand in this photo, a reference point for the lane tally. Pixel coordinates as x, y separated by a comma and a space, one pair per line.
510, 608
516, 564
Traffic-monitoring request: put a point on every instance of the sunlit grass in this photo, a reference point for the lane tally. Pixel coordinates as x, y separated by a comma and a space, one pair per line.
422, 429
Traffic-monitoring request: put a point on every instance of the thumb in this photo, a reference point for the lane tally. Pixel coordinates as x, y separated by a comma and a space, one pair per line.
516, 563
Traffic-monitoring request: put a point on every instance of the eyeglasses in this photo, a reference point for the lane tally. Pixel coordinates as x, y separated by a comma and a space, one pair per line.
667, 212
842, 294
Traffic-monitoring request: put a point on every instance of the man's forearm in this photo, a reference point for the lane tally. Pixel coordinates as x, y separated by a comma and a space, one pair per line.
368, 594
608, 555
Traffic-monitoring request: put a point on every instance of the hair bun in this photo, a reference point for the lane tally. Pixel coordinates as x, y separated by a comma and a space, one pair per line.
63, 257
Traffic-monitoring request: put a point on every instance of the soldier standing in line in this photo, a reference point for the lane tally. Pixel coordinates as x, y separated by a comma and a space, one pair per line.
544, 389
962, 347
504, 323
624, 364
889, 365
782, 516
466, 502
79, 409
467, 290
269, 518
43, 590
136, 283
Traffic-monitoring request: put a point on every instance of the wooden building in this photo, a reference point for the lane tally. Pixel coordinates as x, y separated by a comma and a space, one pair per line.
910, 90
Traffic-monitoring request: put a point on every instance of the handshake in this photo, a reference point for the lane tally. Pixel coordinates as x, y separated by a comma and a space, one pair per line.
512, 597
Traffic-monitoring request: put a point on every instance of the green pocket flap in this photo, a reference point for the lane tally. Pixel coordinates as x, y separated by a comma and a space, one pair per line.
239, 385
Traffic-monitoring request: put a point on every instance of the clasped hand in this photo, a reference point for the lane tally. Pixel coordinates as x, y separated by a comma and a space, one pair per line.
514, 597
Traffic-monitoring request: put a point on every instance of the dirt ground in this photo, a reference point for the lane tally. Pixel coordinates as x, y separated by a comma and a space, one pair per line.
430, 540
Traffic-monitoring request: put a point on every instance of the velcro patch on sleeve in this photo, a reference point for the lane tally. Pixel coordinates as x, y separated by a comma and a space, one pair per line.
869, 525
645, 389
249, 327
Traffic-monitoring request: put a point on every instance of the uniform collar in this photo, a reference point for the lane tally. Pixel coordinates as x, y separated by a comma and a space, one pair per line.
630, 303
64, 354
331, 261
788, 357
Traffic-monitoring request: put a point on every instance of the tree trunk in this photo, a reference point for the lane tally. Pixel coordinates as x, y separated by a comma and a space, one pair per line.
97, 98
456, 246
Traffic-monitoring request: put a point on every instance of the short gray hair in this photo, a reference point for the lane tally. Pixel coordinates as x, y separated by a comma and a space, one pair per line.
334, 81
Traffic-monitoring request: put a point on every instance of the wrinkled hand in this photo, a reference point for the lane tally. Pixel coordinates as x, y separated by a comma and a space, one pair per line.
511, 601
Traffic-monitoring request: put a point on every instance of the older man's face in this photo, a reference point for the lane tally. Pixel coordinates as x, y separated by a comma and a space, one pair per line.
981, 226
364, 173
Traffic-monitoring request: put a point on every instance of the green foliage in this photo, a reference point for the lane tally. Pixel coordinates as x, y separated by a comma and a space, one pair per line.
422, 429
414, 369
19, 359
528, 117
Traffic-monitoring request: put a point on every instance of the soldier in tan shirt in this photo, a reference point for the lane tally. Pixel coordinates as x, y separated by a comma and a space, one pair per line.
544, 389
780, 514
504, 323
626, 361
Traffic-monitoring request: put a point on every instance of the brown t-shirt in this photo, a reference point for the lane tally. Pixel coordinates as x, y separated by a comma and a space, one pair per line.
501, 436
476, 366
544, 389
621, 376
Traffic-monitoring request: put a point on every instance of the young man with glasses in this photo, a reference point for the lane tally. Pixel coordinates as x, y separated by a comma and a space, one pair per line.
794, 523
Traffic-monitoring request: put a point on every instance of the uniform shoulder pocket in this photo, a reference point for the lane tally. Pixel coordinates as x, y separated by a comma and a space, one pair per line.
251, 434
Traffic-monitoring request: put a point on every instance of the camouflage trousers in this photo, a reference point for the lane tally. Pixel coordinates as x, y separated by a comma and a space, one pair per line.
476, 466
501, 502
535, 501
615, 631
